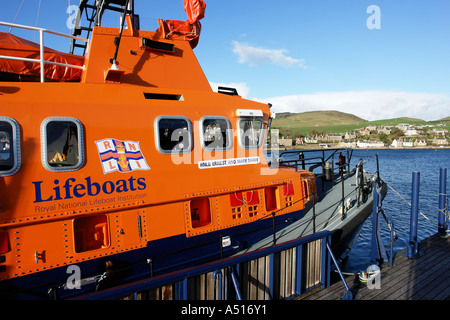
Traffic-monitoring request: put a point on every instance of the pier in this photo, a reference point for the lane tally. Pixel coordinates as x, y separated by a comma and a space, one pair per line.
423, 278
419, 272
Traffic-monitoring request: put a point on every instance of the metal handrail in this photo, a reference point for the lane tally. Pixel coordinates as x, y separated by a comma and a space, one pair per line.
309, 160
41, 59
181, 275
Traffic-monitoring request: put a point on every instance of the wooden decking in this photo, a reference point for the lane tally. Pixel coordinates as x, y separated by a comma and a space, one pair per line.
424, 278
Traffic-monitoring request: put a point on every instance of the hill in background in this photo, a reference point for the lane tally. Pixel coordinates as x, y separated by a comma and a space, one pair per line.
301, 124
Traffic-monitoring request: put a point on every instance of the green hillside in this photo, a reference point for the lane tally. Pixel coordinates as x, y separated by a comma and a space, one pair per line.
301, 124
296, 124
443, 120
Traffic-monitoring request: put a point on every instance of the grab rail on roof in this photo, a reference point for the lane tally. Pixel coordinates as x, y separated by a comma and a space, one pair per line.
41, 60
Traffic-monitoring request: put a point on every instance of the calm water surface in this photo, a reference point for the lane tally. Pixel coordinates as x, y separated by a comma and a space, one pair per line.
396, 168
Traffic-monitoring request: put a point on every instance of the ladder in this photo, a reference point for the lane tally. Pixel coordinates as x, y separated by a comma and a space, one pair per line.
93, 13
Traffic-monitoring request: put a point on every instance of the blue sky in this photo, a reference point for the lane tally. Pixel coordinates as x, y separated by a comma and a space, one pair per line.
304, 55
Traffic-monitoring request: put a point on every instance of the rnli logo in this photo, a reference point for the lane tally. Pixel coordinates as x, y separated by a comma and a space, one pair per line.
122, 156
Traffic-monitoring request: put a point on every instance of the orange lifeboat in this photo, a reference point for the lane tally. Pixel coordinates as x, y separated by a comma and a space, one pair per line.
111, 171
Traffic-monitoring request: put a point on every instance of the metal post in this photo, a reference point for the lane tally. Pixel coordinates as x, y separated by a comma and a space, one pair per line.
378, 253
218, 274
378, 169
374, 252
325, 265
273, 229
343, 196
413, 245
272, 269
391, 253
348, 162
41, 48
442, 223
298, 270
314, 212
235, 284
348, 295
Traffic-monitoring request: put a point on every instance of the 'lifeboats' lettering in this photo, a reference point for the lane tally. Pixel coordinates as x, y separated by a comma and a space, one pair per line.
70, 189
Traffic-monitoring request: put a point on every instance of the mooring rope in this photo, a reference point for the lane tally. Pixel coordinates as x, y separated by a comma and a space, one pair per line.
17, 14
440, 210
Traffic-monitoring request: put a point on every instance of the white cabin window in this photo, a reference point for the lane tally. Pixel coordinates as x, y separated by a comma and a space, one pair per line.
215, 133
173, 134
62, 144
9, 146
251, 132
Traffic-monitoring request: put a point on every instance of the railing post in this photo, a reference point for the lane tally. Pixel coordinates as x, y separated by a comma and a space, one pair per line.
273, 229
391, 252
41, 46
298, 270
218, 274
378, 169
272, 269
413, 245
378, 252
374, 253
342, 195
180, 289
442, 223
326, 263
314, 212
235, 284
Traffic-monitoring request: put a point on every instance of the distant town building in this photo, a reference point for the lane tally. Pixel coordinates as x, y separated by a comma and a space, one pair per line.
364, 132
369, 144
410, 132
287, 142
408, 144
403, 126
384, 129
333, 137
440, 141
347, 144
397, 143
438, 131
420, 143
401, 143
310, 139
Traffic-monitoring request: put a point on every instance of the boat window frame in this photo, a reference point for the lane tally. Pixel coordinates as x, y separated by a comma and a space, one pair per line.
157, 135
80, 142
16, 150
228, 134
262, 132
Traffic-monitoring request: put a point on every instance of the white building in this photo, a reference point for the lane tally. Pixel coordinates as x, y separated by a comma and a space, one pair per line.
369, 144
410, 132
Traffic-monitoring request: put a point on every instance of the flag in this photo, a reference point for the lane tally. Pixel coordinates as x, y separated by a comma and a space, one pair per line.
118, 155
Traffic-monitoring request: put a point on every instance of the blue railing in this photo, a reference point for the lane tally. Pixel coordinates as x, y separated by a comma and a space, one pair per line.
231, 265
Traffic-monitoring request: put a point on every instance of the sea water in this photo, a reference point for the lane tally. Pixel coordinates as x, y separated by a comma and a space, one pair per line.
396, 169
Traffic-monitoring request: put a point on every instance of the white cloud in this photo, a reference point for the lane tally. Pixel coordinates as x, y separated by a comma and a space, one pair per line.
241, 87
369, 105
257, 56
